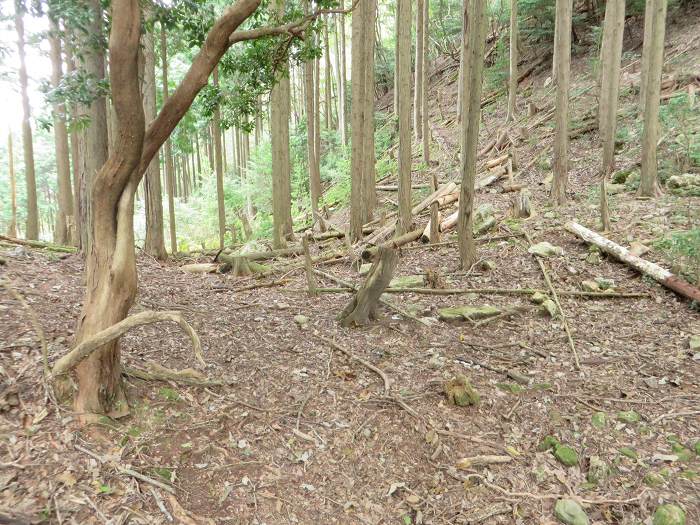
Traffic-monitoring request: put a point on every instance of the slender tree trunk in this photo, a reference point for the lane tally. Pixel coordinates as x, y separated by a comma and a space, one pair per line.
369, 172
513, 61
328, 88
561, 116
418, 81
280, 108
425, 82
358, 87
397, 55
404, 106
64, 231
611, 51
474, 35
167, 151
197, 151
317, 138
12, 227
342, 69
32, 228
223, 148
646, 46
153, 195
312, 152
216, 121
649, 185
75, 138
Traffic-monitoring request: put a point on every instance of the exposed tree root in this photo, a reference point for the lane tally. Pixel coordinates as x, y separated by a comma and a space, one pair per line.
376, 370
69, 361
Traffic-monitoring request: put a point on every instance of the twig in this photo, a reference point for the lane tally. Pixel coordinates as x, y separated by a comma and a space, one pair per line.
672, 414
378, 371
161, 504
577, 362
300, 412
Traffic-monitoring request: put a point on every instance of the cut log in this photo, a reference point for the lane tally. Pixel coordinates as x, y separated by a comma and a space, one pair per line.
363, 306
370, 252
497, 161
38, 244
260, 256
659, 274
394, 187
200, 268
509, 187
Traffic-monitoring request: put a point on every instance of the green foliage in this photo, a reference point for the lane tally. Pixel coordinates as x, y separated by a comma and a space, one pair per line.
682, 121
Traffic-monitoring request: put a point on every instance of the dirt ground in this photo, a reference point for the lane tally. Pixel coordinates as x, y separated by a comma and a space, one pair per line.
300, 433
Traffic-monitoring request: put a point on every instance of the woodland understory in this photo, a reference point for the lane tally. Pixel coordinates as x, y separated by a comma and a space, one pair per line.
289, 417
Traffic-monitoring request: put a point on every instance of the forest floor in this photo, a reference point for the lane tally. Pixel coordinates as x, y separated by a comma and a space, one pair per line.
300, 433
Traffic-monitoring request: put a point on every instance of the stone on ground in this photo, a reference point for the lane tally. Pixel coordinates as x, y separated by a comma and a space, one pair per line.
569, 512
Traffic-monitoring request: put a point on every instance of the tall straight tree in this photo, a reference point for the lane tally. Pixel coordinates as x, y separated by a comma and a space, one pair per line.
96, 137
12, 227
425, 113
358, 87
611, 54
280, 108
155, 237
313, 155
474, 36
32, 228
63, 230
328, 83
655, 15
404, 106
76, 136
216, 122
342, 72
418, 82
369, 173
513, 61
561, 114
168, 151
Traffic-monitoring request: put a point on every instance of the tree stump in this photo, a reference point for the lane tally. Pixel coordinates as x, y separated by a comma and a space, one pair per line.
520, 205
363, 306
238, 265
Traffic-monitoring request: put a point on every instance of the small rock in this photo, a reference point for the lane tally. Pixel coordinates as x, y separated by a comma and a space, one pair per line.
669, 514
628, 416
638, 249
599, 419
407, 281
538, 297
590, 286
549, 307
301, 320
367, 433
487, 265
459, 313
364, 269
436, 362
545, 249
281, 306
652, 479
605, 284
598, 470
694, 343
569, 512
566, 455
593, 258
550, 215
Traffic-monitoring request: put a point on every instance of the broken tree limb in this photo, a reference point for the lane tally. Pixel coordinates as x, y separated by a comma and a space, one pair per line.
656, 272
259, 256
394, 187
577, 361
479, 461
363, 306
370, 252
378, 371
39, 244
69, 361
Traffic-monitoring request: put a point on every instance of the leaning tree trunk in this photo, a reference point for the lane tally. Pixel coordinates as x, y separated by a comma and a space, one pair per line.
649, 185
473, 66
64, 231
12, 227
404, 111
155, 238
611, 51
561, 117
32, 229
167, 151
513, 61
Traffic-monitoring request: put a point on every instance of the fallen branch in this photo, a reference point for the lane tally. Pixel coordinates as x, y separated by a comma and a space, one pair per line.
253, 286
493, 291
479, 461
39, 244
69, 361
395, 243
378, 371
656, 272
577, 362
178, 376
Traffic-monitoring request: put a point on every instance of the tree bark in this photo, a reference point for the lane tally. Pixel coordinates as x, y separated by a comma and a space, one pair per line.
216, 121
96, 137
12, 227
76, 137
358, 86
167, 151
328, 84
368, 171
63, 231
473, 63
280, 108
611, 54
404, 107
561, 116
312, 153
342, 77
425, 83
32, 228
418, 81
649, 185
155, 237
513, 61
